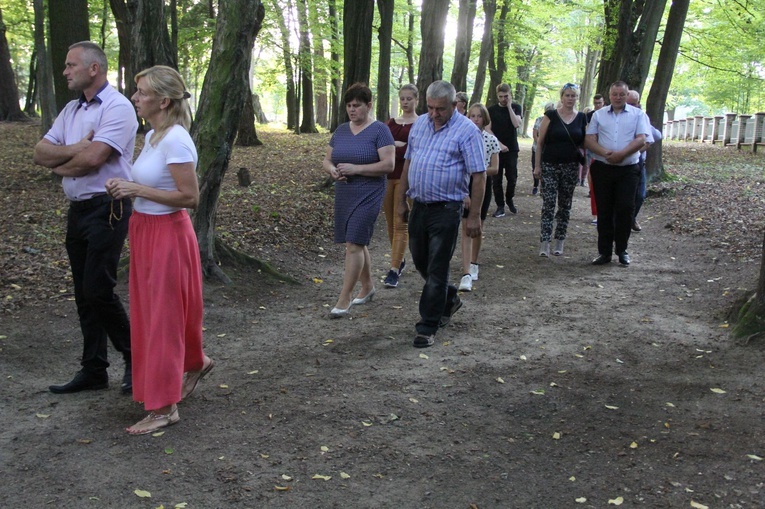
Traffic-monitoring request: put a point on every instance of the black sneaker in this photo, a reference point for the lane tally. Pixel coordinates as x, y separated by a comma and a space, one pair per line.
391, 280
511, 208
445, 319
424, 340
500, 212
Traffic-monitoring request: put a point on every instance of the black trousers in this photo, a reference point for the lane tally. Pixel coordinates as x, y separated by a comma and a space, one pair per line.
433, 232
614, 188
96, 232
508, 166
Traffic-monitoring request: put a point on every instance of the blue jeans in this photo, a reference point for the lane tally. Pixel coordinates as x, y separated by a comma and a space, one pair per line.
433, 232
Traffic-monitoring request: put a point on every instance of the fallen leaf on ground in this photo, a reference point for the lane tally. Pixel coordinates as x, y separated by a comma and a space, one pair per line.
286, 477
344, 475
282, 488
634, 445
753, 457
423, 356
324, 448
142, 493
366, 423
42, 416
223, 386
581, 500
616, 501
413, 400
158, 434
253, 372
696, 505
539, 392
322, 477
556, 436
317, 280
611, 407
717, 390
499, 379
670, 404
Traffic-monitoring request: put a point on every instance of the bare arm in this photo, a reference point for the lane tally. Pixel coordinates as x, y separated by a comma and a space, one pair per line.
403, 187
493, 167
90, 159
514, 119
384, 166
540, 146
473, 221
51, 155
591, 144
186, 196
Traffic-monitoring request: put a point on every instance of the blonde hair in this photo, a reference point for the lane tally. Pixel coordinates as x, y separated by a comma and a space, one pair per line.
482, 110
166, 83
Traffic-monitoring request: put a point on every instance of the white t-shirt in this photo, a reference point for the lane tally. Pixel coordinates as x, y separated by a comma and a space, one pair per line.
150, 169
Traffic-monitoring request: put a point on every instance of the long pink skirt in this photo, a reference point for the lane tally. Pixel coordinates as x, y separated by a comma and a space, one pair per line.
165, 306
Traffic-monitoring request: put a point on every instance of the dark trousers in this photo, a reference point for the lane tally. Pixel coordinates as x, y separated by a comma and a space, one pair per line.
433, 232
96, 232
534, 166
508, 166
614, 188
640, 193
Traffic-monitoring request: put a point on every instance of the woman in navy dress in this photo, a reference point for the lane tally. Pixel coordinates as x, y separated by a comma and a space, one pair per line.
360, 154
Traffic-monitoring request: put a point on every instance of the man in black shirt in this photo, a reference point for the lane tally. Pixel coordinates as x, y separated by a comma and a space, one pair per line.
506, 118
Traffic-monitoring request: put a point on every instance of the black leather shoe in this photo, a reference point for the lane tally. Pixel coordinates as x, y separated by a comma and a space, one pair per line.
127, 380
601, 260
445, 319
82, 382
511, 207
624, 258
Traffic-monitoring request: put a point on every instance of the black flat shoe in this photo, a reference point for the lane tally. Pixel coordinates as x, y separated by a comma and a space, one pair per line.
82, 382
424, 340
624, 258
601, 260
127, 380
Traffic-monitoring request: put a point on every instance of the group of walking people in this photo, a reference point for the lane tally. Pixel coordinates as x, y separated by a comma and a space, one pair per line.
442, 169
429, 173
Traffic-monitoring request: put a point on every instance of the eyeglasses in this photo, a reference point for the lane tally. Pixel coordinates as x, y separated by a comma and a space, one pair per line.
570, 85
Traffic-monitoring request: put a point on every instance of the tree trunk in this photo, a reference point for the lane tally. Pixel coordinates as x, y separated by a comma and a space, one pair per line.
591, 60
46, 96
335, 83
465, 20
246, 135
357, 46
665, 68
432, 26
69, 23
751, 317
260, 116
30, 105
308, 125
225, 88
124, 24
628, 41
320, 74
149, 38
498, 66
384, 36
289, 72
410, 41
487, 42
9, 92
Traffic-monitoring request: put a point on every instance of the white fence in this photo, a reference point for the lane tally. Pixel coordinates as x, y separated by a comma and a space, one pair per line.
729, 130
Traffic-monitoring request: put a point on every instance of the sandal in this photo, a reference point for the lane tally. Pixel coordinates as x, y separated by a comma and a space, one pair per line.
153, 422
192, 378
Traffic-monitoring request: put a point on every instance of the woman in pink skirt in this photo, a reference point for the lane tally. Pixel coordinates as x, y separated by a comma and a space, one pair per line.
165, 274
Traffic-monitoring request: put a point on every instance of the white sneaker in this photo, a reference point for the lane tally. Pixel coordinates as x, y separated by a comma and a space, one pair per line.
466, 283
474, 271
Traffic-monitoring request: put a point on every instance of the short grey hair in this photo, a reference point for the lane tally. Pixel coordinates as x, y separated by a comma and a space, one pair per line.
442, 89
92, 53
549, 106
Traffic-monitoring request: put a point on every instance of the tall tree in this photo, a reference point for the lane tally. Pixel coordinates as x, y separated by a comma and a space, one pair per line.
464, 42
498, 65
149, 38
335, 81
384, 37
630, 36
665, 67
9, 92
69, 23
46, 96
226, 87
308, 125
124, 27
432, 26
487, 43
357, 46
318, 18
289, 72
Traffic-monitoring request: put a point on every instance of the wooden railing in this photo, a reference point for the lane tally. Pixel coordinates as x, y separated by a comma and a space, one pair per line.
729, 130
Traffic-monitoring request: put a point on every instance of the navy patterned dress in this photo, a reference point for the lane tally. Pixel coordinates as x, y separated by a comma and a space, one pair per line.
358, 199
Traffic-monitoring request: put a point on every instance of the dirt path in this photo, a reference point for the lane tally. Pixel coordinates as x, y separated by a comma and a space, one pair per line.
558, 385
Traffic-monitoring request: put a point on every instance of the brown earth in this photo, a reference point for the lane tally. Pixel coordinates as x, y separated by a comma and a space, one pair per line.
558, 384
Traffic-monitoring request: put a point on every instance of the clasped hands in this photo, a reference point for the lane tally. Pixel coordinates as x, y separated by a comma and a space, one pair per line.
342, 171
119, 188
